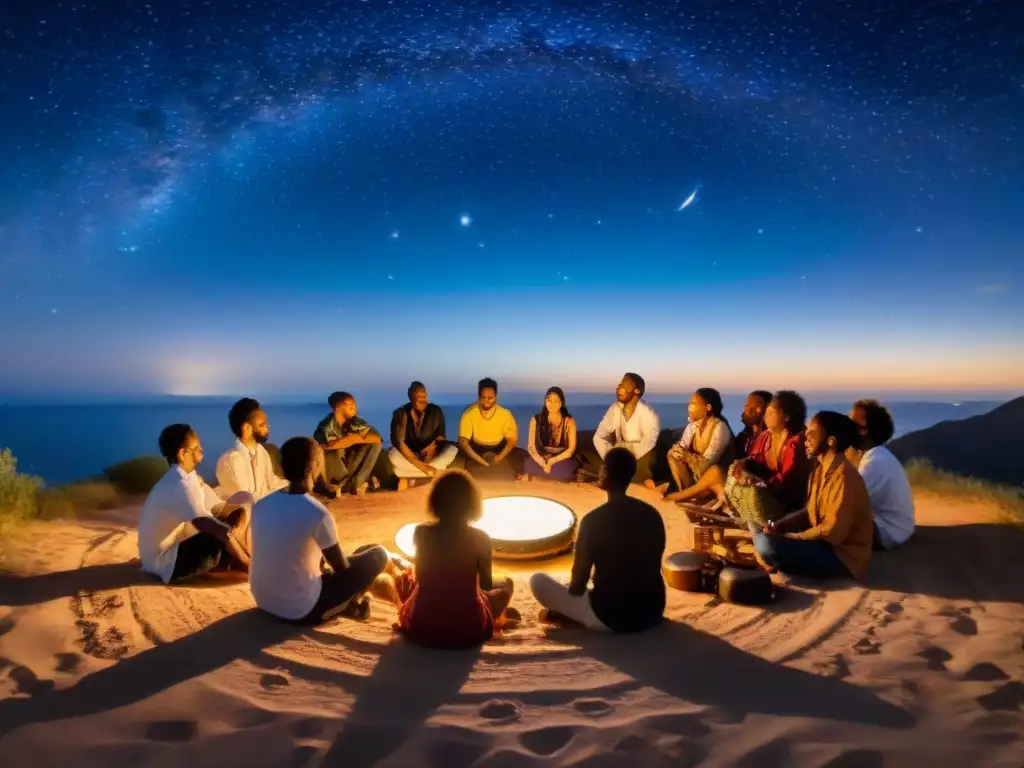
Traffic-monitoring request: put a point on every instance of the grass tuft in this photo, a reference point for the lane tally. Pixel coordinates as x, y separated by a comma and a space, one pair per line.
1009, 501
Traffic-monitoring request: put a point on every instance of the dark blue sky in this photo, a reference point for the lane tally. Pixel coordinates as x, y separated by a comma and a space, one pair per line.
219, 197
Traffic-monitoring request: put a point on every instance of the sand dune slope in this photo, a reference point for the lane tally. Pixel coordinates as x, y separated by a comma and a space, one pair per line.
922, 666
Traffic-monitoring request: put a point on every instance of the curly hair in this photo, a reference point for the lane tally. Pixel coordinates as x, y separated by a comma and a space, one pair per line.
793, 409
455, 497
880, 426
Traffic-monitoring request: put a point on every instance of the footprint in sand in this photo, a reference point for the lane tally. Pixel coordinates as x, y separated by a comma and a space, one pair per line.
985, 672
593, 707
27, 681
962, 624
1006, 698
176, 731
68, 662
272, 680
894, 608
936, 658
501, 711
546, 741
865, 646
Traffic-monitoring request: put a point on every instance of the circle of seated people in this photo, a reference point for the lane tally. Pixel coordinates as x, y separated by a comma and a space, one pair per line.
816, 497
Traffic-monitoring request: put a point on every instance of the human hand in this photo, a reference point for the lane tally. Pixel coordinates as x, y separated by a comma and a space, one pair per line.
428, 470
547, 466
429, 452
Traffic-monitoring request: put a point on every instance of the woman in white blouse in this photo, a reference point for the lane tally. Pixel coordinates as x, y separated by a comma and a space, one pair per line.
707, 441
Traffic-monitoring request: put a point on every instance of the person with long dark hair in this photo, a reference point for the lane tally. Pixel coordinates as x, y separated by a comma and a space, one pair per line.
552, 440
832, 535
707, 442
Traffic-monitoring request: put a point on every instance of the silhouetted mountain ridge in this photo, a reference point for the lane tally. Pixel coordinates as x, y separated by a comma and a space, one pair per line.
988, 446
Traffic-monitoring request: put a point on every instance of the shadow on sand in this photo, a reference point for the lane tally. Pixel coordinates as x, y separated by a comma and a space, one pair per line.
239, 636
694, 666
387, 710
32, 590
979, 562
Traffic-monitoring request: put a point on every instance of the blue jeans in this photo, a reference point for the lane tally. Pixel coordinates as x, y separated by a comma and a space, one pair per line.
798, 557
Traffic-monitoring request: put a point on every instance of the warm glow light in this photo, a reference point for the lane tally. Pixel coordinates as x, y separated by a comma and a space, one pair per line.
509, 519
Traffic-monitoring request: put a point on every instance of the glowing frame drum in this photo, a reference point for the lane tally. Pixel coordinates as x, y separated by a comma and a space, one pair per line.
520, 527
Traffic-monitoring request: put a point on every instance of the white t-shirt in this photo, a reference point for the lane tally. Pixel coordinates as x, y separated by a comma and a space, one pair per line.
176, 500
289, 533
892, 501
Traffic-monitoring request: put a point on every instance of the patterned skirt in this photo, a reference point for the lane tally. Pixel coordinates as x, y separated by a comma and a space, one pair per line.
754, 503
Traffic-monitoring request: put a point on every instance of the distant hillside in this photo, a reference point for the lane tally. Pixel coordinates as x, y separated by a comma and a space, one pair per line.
988, 446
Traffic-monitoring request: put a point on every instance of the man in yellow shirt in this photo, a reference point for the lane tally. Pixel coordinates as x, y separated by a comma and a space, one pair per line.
488, 435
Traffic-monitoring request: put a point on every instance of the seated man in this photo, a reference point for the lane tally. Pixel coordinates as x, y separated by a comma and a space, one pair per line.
185, 528
629, 423
292, 535
351, 447
622, 542
247, 465
753, 421
488, 435
831, 536
419, 445
892, 501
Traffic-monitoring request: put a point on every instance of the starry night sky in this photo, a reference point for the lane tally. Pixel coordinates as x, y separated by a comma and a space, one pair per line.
223, 197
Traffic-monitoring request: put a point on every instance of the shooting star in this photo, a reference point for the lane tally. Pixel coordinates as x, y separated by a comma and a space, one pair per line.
688, 201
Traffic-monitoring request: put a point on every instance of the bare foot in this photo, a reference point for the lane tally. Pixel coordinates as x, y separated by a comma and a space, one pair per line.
522, 478
509, 619
649, 484
361, 490
403, 483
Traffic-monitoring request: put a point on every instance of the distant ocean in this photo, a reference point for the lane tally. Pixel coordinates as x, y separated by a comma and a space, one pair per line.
62, 443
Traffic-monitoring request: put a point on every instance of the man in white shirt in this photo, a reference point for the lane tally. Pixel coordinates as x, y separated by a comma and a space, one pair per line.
247, 465
892, 501
292, 535
629, 423
185, 528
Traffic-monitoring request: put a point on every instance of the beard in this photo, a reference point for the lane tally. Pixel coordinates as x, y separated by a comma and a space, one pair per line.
261, 439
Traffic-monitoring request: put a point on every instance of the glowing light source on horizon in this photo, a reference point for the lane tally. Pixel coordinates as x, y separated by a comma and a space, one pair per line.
511, 519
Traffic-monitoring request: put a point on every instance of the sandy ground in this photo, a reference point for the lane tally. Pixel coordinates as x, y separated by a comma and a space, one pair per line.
924, 666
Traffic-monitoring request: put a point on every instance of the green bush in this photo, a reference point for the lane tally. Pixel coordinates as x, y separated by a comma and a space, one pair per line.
136, 476
18, 491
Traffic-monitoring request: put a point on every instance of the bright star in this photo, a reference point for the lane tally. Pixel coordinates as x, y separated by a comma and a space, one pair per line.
465, 220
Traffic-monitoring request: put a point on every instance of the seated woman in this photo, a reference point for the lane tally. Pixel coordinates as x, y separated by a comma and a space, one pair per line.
707, 442
292, 535
451, 601
833, 535
552, 441
772, 480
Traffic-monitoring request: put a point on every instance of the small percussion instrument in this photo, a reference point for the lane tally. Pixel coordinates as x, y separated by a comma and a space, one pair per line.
746, 586
691, 571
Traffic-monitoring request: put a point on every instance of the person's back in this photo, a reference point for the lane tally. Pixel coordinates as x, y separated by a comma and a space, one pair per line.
450, 601
285, 574
624, 539
892, 501
448, 609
